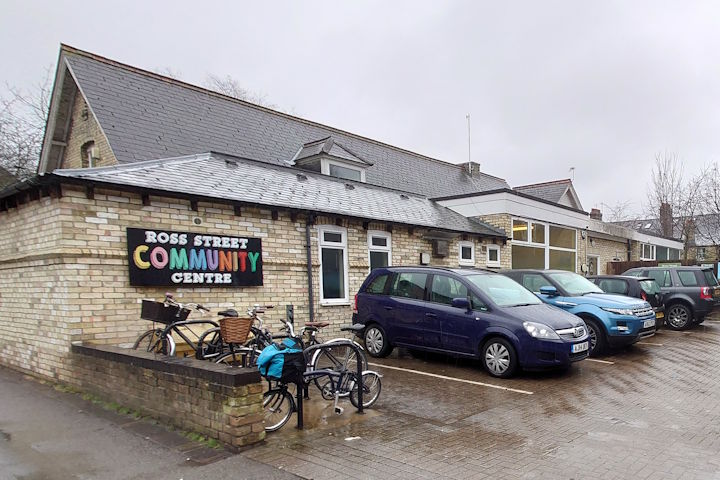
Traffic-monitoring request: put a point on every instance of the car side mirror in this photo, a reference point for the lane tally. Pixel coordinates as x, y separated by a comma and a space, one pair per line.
461, 302
549, 291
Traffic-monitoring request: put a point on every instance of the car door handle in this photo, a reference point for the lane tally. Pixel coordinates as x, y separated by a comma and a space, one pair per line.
388, 308
431, 315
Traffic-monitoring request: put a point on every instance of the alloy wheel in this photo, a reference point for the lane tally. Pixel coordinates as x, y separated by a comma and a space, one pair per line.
593, 337
374, 340
678, 316
497, 358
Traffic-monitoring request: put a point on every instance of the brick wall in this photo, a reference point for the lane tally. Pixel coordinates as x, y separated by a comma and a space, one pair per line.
84, 128
221, 402
606, 250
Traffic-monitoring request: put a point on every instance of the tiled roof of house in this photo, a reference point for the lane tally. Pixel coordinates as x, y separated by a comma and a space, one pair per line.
707, 228
328, 146
550, 191
225, 177
147, 116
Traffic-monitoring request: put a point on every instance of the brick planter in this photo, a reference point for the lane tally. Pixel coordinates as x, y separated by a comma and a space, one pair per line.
221, 402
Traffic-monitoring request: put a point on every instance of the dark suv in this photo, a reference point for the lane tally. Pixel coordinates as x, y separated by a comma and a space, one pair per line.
466, 312
690, 293
644, 288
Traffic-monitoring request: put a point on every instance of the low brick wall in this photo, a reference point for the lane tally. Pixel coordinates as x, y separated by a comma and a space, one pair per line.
221, 402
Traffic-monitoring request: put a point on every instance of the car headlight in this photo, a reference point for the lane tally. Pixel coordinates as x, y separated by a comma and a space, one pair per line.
619, 311
539, 330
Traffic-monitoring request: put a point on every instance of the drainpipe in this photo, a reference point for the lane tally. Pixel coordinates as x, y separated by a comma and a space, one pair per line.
629, 250
311, 305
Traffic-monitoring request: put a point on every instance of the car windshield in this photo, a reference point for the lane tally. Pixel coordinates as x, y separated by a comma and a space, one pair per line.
503, 291
574, 284
710, 278
650, 287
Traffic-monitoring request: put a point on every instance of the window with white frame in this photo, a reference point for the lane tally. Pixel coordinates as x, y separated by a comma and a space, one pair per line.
342, 170
466, 253
647, 251
332, 243
493, 255
540, 245
379, 249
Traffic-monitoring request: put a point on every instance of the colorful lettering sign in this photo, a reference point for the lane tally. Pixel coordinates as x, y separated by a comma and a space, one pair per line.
165, 258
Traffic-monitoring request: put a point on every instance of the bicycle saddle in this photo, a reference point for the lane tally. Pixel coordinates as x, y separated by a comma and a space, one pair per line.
317, 324
228, 313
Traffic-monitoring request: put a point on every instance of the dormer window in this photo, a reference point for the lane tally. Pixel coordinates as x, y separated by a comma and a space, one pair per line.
328, 157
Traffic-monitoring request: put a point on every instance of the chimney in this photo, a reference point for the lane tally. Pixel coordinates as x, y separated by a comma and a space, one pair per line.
596, 214
471, 168
666, 220
689, 232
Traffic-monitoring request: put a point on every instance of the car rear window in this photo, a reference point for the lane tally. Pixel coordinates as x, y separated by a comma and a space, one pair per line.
613, 285
710, 278
409, 285
662, 277
377, 286
649, 286
687, 278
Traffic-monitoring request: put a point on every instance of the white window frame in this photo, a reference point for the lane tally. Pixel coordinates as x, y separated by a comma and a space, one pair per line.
491, 263
322, 229
462, 261
546, 245
652, 249
325, 168
374, 248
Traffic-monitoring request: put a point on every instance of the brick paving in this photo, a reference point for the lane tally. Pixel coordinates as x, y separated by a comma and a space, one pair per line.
653, 413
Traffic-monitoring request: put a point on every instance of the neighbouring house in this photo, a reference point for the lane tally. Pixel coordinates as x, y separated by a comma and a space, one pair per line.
148, 184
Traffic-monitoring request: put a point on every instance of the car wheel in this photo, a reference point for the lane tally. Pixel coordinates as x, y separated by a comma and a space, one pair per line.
499, 357
678, 317
598, 342
376, 342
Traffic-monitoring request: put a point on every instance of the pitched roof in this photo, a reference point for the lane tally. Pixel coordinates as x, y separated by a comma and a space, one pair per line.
327, 146
226, 177
6, 178
707, 228
147, 116
551, 191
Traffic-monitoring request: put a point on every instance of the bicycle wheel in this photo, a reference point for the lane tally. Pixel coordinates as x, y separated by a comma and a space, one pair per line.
240, 357
279, 407
335, 357
153, 341
371, 390
210, 345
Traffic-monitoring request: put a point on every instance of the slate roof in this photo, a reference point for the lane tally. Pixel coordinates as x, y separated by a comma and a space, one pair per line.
550, 191
147, 116
328, 146
227, 177
6, 178
707, 228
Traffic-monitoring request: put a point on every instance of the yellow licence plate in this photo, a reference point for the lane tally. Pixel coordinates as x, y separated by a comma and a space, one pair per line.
659, 315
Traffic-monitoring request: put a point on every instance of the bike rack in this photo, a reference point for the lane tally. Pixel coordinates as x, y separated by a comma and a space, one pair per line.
308, 353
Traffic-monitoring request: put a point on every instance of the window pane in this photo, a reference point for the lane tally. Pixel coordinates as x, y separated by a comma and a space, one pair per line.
503, 291
493, 255
378, 259
574, 284
674, 254
332, 237
662, 253
562, 260
333, 273
342, 172
613, 285
650, 287
538, 233
520, 230
687, 279
533, 282
379, 241
562, 237
466, 252
710, 278
528, 257
378, 285
662, 277
444, 289
409, 285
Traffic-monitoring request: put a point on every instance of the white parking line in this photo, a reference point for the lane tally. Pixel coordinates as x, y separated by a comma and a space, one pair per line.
444, 377
650, 343
599, 361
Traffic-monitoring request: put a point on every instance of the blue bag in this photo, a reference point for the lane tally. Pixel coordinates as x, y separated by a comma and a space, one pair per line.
284, 362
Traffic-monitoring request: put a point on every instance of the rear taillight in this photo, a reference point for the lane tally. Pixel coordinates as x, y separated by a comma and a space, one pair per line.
355, 304
705, 293
643, 296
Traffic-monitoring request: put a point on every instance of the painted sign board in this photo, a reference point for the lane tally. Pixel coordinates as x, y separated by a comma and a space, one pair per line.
167, 258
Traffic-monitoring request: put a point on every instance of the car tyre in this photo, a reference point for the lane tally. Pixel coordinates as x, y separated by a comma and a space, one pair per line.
678, 317
499, 358
376, 341
598, 340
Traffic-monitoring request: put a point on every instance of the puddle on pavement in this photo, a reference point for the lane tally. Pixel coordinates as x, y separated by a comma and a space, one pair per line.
5, 436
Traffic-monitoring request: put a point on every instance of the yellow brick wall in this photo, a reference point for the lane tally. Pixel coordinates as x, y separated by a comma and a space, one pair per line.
65, 271
606, 250
83, 129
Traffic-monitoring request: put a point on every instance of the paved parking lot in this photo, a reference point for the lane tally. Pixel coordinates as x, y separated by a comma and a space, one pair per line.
650, 411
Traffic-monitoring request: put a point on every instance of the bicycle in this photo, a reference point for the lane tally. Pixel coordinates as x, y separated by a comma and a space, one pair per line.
279, 404
246, 355
174, 315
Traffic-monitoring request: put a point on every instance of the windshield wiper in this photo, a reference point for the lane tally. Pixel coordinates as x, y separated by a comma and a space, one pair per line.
523, 304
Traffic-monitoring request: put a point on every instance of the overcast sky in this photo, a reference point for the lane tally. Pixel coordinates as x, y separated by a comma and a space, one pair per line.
600, 86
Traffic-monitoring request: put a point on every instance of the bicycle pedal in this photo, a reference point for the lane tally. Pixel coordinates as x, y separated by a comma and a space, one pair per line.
339, 410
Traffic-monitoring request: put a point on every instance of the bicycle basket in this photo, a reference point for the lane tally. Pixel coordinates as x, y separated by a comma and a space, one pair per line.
283, 364
161, 313
235, 329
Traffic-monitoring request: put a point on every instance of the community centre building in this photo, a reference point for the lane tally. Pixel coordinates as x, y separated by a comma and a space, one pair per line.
147, 184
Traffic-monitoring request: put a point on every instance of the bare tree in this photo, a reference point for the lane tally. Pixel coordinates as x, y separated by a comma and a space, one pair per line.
22, 124
708, 224
621, 211
231, 87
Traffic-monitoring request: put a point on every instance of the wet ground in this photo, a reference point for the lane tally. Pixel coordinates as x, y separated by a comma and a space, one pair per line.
649, 411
